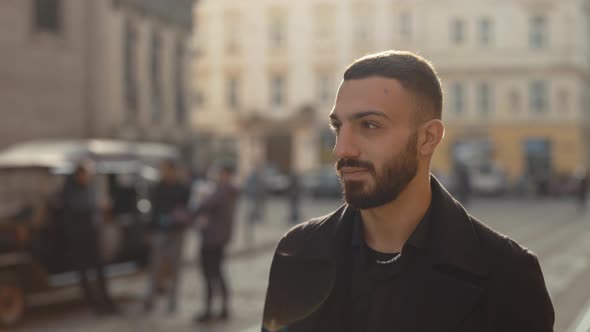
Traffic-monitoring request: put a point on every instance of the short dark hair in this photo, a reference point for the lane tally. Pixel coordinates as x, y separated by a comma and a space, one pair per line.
83, 165
412, 71
228, 168
226, 165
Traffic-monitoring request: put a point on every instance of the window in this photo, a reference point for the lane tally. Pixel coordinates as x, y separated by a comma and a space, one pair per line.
156, 95
47, 15
324, 87
232, 32
180, 105
361, 32
405, 21
129, 72
233, 99
198, 97
515, 101
485, 31
363, 19
277, 29
324, 24
457, 31
538, 34
538, 96
458, 98
277, 95
201, 31
484, 98
564, 101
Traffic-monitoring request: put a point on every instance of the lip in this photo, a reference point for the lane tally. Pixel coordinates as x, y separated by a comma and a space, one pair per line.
351, 173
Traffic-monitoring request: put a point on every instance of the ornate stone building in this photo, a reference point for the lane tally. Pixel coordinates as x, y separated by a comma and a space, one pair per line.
515, 74
95, 68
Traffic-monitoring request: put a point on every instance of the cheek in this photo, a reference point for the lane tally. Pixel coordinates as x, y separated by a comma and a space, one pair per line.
385, 149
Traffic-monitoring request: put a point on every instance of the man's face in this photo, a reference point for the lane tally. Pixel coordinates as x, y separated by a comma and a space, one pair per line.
167, 172
85, 175
376, 140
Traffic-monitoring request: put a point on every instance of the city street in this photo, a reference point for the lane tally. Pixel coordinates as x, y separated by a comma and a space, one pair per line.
553, 229
108, 106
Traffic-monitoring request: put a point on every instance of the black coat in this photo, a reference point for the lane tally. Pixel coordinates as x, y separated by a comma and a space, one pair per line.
476, 279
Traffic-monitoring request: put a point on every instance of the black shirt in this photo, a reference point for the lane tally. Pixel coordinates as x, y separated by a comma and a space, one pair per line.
166, 198
378, 290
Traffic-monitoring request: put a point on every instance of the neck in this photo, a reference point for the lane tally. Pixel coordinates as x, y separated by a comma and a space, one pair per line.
388, 227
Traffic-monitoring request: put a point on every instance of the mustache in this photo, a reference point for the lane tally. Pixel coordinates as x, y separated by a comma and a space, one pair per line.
354, 163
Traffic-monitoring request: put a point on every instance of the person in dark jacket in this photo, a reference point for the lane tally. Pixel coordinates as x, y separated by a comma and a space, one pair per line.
256, 192
462, 183
81, 222
402, 254
583, 191
169, 220
294, 197
219, 211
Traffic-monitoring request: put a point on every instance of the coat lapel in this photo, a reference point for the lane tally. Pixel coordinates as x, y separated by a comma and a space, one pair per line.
436, 301
448, 283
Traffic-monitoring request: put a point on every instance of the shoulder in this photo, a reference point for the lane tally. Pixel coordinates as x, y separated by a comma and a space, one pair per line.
499, 248
518, 292
305, 234
511, 265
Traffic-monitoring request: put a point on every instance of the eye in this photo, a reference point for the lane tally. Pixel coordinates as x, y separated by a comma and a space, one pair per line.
335, 126
369, 125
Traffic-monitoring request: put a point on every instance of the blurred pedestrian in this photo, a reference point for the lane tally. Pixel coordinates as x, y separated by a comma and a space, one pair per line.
256, 191
82, 217
169, 220
583, 191
462, 183
294, 196
219, 210
401, 254
256, 197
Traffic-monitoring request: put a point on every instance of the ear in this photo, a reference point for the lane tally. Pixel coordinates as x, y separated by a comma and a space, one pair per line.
431, 134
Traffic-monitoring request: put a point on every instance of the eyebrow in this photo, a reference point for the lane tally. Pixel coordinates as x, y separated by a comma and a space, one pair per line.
360, 115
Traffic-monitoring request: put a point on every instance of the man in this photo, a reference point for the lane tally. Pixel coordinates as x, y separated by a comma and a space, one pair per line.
401, 254
462, 183
219, 211
583, 191
256, 194
81, 219
256, 191
294, 197
169, 220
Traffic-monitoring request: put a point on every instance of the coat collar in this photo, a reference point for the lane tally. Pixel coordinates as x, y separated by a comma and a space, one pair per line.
451, 238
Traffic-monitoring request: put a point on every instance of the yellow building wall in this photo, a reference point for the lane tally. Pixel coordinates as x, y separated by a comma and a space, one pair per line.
567, 146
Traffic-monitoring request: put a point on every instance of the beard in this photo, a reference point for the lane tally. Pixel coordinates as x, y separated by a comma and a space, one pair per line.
388, 184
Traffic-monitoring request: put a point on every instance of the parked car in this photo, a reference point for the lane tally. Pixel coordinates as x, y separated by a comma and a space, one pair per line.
484, 179
487, 179
275, 182
32, 246
322, 182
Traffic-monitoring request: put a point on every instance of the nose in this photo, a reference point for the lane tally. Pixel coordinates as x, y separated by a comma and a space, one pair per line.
346, 146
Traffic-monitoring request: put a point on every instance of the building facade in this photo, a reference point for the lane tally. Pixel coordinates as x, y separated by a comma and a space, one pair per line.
95, 68
515, 75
